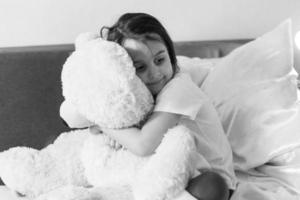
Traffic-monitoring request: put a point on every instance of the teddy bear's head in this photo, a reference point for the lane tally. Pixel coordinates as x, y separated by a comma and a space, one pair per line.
100, 85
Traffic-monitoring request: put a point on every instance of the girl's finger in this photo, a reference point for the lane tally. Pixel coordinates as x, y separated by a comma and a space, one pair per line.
106, 139
112, 143
118, 146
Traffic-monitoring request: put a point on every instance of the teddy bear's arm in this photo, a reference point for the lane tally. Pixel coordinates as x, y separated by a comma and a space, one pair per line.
167, 172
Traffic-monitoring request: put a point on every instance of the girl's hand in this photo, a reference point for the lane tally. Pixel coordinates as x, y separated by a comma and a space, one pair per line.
108, 140
111, 142
114, 144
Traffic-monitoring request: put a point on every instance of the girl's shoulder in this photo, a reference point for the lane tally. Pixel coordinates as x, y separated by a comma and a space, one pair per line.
179, 79
180, 84
181, 96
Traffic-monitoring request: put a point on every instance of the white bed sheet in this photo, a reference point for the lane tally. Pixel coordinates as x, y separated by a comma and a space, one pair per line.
6, 194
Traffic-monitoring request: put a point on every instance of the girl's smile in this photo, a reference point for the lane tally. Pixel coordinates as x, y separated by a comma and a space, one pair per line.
152, 62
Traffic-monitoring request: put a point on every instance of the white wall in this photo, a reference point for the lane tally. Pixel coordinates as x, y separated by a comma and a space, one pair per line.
39, 22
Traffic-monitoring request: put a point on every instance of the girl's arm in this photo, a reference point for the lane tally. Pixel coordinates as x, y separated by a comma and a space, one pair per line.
181, 96
144, 141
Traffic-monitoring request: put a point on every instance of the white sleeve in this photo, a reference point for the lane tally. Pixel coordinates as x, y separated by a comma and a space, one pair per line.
181, 96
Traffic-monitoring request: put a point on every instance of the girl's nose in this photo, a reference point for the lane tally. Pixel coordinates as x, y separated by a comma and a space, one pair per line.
154, 73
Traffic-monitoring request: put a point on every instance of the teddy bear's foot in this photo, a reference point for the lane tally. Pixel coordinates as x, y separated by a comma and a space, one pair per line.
66, 151
28, 171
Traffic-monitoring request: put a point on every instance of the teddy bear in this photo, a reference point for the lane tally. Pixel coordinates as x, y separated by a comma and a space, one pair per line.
101, 88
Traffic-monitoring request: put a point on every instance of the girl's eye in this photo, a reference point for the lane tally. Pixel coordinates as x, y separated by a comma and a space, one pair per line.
140, 68
160, 60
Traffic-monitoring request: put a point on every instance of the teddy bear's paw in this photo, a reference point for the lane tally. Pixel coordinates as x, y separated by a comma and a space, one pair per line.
28, 171
66, 150
179, 137
95, 155
175, 155
94, 150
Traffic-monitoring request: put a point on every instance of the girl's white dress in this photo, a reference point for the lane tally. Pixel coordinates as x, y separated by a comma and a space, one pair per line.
182, 96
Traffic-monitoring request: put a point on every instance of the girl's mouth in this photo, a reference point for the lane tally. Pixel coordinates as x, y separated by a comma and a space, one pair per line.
156, 83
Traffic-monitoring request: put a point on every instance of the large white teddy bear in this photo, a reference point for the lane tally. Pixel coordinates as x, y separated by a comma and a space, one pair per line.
100, 87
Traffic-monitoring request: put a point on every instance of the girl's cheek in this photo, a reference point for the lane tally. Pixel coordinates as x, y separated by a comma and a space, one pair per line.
142, 77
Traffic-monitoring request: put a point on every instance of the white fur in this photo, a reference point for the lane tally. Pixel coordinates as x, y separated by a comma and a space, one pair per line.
160, 176
99, 81
167, 172
57, 172
32, 172
83, 38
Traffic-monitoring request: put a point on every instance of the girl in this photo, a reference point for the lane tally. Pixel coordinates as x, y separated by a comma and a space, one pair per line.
177, 101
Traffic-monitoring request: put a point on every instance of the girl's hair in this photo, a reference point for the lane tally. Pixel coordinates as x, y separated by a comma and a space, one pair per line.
140, 26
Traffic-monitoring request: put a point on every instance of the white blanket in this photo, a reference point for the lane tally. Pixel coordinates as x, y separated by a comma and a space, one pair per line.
279, 179
6, 194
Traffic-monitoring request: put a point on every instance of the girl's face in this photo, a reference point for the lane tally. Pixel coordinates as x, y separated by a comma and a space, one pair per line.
152, 62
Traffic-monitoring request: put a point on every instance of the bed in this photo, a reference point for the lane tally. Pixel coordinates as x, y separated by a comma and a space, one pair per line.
30, 89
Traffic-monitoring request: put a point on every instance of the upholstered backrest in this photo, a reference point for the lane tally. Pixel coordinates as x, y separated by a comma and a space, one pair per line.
30, 96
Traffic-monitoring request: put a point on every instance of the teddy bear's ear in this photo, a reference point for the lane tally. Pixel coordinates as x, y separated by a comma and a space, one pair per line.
83, 38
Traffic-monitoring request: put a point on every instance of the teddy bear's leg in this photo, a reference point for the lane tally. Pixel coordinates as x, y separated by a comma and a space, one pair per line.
28, 171
32, 172
66, 150
167, 172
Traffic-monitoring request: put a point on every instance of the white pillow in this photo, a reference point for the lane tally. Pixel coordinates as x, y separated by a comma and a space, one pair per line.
255, 92
196, 67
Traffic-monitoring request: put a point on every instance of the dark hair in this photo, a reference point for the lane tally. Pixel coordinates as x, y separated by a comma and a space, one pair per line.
137, 26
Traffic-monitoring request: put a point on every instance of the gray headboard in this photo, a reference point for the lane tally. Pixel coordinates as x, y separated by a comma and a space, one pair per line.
30, 89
